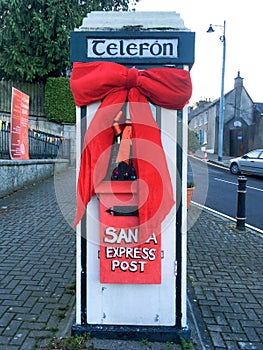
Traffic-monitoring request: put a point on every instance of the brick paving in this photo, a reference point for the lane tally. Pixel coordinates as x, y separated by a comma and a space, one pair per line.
37, 267
225, 270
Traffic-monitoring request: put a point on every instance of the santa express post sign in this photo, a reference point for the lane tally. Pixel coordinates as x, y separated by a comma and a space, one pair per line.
127, 254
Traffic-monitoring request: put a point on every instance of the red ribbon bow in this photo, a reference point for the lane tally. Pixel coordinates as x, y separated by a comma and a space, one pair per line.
115, 84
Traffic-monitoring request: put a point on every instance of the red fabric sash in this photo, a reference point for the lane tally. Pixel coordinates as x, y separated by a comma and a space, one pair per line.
115, 84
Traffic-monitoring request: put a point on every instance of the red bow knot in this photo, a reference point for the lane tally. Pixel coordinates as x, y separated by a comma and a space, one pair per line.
114, 84
165, 87
132, 77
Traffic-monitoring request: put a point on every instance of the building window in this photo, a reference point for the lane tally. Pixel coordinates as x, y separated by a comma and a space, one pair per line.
205, 137
200, 120
206, 118
195, 123
200, 137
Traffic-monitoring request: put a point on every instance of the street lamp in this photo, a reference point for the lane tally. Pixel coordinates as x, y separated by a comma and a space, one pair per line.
221, 105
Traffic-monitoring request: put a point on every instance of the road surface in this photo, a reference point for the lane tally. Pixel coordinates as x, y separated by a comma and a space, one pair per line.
216, 188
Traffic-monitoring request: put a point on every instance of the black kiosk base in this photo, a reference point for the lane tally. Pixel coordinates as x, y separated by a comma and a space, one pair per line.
137, 333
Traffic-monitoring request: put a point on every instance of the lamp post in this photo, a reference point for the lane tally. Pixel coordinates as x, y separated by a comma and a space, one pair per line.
222, 102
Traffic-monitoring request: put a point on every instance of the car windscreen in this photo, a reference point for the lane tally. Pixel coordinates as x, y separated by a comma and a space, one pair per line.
254, 154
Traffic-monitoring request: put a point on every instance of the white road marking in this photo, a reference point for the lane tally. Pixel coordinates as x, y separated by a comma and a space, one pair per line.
229, 182
233, 183
226, 216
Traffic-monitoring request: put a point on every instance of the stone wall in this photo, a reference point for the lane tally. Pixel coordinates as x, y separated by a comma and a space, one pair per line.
255, 135
16, 174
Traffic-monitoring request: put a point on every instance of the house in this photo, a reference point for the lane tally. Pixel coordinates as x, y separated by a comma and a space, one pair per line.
243, 122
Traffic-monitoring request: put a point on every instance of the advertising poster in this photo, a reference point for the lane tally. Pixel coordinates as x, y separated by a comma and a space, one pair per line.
19, 125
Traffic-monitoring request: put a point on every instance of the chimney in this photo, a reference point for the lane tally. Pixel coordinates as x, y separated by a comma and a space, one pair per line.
238, 92
238, 81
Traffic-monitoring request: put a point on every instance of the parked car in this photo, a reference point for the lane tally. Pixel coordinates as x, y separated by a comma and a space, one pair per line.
249, 163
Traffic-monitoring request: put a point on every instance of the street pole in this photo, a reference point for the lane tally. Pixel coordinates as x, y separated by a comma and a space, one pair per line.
222, 99
222, 102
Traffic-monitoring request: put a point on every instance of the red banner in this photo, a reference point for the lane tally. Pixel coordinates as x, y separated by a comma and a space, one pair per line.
19, 125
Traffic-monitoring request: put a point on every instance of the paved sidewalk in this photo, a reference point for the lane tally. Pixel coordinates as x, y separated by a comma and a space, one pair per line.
213, 158
37, 259
225, 271
37, 267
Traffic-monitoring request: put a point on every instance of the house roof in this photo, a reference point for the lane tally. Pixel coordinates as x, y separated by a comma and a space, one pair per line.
259, 107
203, 106
207, 105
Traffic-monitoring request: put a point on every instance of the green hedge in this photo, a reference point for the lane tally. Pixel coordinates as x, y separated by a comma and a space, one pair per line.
193, 143
59, 103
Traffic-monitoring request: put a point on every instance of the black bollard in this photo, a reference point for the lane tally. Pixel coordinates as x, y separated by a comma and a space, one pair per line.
241, 203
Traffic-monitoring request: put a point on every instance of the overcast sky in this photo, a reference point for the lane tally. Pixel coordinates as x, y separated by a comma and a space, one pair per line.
244, 48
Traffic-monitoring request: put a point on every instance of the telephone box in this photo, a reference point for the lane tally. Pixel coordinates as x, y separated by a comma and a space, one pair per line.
131, 232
